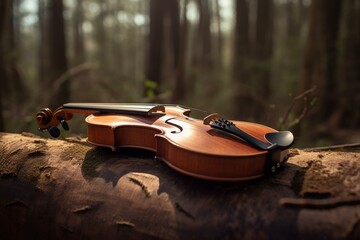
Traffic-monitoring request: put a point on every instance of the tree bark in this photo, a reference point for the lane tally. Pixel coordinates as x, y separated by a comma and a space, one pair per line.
67, 189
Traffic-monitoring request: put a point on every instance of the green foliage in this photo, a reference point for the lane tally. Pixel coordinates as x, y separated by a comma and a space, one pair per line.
151, 88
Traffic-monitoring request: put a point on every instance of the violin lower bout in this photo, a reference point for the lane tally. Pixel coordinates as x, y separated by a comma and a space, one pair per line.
208, 166
189, 162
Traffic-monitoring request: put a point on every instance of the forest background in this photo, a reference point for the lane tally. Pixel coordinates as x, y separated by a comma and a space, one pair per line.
289, 64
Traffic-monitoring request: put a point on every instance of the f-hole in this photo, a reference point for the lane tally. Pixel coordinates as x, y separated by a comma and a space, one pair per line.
172, 122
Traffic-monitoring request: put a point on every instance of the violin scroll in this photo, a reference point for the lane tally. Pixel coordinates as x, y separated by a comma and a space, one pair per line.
44, 116
48, 121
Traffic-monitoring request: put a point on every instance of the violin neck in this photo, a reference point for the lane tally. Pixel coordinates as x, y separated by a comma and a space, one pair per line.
118, 108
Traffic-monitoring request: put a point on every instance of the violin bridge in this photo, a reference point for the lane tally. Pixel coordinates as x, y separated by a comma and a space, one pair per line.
157, 108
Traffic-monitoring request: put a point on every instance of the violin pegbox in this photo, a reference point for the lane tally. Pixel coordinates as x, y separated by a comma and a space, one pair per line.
48, 121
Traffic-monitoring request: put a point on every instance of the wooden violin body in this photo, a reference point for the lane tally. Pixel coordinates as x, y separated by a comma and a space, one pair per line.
188, 145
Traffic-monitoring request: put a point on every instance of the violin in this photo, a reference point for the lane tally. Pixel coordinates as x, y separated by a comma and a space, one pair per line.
212, 148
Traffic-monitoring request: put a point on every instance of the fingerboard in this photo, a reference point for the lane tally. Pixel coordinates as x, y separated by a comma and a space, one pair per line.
119, 108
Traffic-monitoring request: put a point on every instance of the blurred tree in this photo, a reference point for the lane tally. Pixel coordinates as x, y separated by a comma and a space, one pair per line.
263, 49
164, 34
57, 54
43, 57
220, 38
252, 59
79, 47
181, 86
155, 42
293, 11
349, 72
101, 38
320, 59
3, 77
203, 51
241, 36
14, 87
241, 54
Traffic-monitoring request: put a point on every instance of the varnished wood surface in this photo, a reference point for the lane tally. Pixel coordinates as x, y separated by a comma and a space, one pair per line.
193, 135
184, 143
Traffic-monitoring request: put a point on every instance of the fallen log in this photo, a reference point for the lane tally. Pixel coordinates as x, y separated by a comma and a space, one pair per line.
66, 189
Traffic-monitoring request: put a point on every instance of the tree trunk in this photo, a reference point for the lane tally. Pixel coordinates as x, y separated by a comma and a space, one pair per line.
12, 84
164, 48
220, 38
43, 57
13, 90
16, 80
53, 189
263, 46
204, 57
57, 52
181, 90
252, 61
241, 56
349, 73
79, 48
102, 40
320, 57
3, 77
156, 42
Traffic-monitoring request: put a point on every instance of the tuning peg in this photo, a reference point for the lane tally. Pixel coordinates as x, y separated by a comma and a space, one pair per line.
54, 132
64, 125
